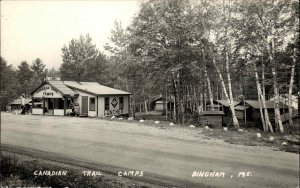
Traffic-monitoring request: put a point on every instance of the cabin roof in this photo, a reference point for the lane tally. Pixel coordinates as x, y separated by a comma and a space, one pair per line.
94, 88
225, 103
160, 98
269, 104
60, 85
240, 107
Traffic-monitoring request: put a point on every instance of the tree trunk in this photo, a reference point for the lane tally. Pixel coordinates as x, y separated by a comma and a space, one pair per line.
210, 95
278, 122
180, 100
263, 99
290, 94
225, 92
265, 118
234, 119
204, 96
175, 101
146, 107
133, 107
201, 100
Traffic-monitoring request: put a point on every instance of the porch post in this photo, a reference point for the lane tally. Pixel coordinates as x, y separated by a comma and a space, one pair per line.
65, 105
128, 105
97, 106
32, 104
43, 105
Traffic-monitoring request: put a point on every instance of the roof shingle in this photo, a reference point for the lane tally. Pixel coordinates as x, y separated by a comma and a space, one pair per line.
94, 88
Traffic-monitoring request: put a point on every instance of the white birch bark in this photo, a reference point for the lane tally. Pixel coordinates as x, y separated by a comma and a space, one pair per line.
234, 119
291, 88
278, 121
291, 84
210, 95
261, 97
146, 107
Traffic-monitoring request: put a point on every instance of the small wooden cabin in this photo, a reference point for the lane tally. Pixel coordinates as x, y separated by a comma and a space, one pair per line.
250, 111
17, 103
214, 118
161, 104
254, 110
223, 105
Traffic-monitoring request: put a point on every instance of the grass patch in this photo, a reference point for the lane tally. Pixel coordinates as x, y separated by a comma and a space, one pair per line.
17, 173
248, 138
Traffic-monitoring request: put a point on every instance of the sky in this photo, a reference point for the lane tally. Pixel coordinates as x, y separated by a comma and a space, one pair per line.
39, 29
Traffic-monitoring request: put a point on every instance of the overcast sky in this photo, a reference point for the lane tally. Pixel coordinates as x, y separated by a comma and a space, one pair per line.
31, 29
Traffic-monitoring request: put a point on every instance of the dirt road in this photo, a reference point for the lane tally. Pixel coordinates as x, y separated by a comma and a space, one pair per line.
172, 154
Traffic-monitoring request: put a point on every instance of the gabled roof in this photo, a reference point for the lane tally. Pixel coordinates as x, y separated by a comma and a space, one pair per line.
59, 85
225, 103
240, 107
94, 88
160, 98
269, 104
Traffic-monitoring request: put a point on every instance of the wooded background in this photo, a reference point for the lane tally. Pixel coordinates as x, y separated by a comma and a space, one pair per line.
189, 51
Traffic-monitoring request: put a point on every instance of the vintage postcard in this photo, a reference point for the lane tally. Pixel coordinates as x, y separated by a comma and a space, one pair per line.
150, 93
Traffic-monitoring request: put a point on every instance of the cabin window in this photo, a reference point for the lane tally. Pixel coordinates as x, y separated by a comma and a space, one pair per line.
121, 105
106, 103
92, 103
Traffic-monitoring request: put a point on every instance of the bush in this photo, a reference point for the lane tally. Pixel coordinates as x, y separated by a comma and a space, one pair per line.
195, 120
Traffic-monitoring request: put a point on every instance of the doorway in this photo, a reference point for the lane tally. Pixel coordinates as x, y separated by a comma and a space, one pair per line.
84, 106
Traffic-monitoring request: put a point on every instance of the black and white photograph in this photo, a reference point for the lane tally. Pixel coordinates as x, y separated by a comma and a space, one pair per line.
149, 94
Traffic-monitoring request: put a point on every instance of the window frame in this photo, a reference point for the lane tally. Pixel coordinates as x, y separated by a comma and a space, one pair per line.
90, 102
121, 104
106, 105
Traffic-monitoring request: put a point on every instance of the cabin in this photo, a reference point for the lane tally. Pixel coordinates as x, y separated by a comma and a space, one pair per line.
18, 103
249, 111
223, 105
90, 99
254, 110
212, 118
161, 104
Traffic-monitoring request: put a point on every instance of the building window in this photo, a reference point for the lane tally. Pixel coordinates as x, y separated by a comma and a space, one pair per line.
121, 105
106, 104
92, 103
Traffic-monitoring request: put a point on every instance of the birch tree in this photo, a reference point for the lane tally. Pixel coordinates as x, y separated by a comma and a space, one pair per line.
295, 32
224, 34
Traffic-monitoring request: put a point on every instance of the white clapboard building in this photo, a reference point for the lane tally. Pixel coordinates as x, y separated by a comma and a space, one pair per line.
91, 99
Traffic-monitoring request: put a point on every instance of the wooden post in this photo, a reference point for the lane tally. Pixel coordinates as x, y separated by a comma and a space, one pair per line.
245, 111
97, 106
129, 105
146, 110
32, 104
65, 105
43, 105
166, 105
